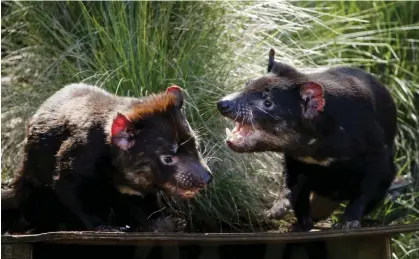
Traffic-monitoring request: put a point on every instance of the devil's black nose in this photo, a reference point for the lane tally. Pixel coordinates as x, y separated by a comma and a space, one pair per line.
224, 106
207, 179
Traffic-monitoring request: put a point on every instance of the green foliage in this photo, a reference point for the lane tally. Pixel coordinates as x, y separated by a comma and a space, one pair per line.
210, 49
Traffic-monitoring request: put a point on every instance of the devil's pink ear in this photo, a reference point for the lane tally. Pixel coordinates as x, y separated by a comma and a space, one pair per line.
313, 102
177, 92
121, 132
120, 123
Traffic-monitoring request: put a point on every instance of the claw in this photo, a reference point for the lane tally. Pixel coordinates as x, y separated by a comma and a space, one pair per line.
228, 133
347, 224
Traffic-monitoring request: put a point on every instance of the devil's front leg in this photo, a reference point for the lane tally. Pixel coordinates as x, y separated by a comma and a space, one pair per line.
371, 190
300, 202
76, 161
299, 187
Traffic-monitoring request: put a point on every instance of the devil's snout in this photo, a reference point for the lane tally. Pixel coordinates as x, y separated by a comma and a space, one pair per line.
224, 106
204, 175
207, 178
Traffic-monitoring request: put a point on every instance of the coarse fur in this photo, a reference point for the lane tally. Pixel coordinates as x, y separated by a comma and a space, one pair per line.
336, 129
92, 159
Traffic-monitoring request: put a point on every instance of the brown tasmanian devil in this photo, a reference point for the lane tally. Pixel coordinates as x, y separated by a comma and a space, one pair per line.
90, 155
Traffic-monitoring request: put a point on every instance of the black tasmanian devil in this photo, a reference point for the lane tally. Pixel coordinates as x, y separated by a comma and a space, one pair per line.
89, 153
336, 129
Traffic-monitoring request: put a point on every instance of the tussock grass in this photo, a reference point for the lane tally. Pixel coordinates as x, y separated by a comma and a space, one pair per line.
211, 49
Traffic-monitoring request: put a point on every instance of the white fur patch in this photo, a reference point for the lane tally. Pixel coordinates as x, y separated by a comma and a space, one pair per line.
124, 189
310, 160
312, 141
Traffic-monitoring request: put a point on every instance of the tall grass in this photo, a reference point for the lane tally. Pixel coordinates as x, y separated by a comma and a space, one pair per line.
210, 49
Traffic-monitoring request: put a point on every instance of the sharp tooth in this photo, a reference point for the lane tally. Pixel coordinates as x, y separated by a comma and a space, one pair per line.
229, 134
236, 127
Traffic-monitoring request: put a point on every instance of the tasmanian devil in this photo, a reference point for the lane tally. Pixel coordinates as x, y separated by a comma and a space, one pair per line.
336, 129
89, 153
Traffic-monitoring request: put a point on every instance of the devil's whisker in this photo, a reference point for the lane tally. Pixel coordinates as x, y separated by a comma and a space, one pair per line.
266, 112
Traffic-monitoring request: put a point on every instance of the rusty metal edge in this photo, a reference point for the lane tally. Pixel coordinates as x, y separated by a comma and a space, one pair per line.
119, 238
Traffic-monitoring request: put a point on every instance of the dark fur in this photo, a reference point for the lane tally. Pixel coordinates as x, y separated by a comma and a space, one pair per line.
342, 114
76, 175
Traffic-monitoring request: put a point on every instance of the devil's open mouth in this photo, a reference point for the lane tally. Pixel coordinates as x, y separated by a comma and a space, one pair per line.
240, 133
186, 194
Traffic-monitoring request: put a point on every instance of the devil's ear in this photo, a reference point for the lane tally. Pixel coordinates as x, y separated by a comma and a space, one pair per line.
121, 132
281, 69
177, 92
312, 99
271, 61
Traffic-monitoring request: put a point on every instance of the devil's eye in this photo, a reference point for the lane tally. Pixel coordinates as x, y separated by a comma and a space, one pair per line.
167, 160
267, 103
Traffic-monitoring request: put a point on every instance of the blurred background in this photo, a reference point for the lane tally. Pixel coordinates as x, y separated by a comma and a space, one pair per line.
211, 49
